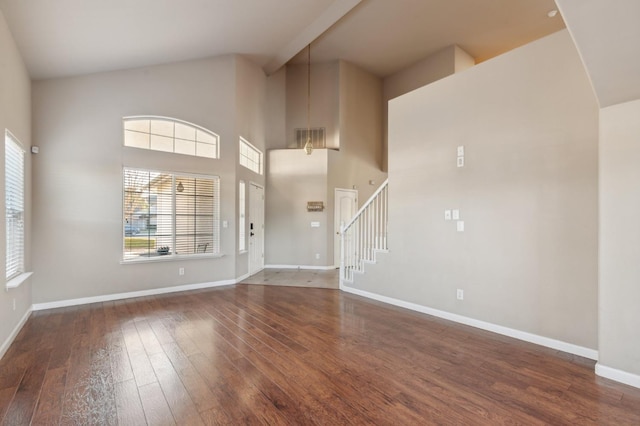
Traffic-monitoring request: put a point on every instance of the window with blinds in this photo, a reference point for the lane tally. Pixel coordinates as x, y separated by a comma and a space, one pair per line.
170, 135
241, 216
250, 156
14, 205
169, 214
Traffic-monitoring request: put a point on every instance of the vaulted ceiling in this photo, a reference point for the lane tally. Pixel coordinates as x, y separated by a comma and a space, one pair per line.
72, 37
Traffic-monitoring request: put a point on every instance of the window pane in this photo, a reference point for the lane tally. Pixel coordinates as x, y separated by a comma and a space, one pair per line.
136, 139
185, 147
206, 137
170, 136
162, 127
205, 150
137, 125
185, 132
153, 223
161, 143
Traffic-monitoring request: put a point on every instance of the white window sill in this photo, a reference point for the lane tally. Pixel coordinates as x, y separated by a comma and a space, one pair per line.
16, 281
243, 251
169, 258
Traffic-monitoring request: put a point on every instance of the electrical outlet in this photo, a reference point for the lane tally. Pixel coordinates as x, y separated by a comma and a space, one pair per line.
447, 215
460, 294
455, 214
317, 255
460, 226
181, 271
14, 304
460, 162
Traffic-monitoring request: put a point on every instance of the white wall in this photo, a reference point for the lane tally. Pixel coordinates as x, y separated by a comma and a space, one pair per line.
15, 115
619, 238
78, 173
528, 196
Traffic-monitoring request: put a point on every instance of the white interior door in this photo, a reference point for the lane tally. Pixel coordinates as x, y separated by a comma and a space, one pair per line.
256, 228
346, 206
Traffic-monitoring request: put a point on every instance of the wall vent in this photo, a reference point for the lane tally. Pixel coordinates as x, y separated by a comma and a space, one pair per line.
318, 139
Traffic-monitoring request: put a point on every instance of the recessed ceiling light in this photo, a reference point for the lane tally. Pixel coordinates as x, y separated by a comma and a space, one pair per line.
552, 13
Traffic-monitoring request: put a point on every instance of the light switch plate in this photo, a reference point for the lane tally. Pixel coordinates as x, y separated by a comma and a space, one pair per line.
455, 214
460, 226
225, 224
460, 162
460, 151
447, 215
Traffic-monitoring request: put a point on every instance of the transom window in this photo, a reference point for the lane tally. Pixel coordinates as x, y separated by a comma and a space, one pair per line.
14, 205
170, 214
170, 135
250, 156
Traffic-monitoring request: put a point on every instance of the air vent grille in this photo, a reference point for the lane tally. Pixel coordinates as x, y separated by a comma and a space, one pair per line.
318, 139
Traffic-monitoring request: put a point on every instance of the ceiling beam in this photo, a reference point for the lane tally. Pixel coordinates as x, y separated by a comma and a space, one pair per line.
330, 16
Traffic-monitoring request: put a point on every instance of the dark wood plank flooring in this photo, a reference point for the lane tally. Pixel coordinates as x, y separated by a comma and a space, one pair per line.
251, 354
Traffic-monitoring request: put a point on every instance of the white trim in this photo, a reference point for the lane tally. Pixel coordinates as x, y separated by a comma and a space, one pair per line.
318, 268
506, 331
128, 295
243, 277
14, 333
15, 282
618, 375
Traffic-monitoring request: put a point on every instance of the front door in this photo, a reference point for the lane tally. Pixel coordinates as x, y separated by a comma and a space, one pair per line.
346, 206
256, 228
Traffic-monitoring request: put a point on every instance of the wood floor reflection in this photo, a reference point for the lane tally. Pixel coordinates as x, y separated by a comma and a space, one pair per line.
253, 354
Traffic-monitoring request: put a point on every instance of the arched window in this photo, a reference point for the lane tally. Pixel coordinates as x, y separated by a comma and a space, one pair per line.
170, 135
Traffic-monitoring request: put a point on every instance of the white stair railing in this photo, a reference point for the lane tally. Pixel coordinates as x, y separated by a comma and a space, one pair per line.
365, 234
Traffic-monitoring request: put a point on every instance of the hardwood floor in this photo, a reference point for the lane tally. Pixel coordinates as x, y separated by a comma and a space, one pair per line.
252, 354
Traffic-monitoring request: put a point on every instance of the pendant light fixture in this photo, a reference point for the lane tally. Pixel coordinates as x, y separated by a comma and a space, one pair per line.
308, 146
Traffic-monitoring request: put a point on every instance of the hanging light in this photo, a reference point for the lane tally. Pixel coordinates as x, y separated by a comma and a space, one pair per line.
308, 146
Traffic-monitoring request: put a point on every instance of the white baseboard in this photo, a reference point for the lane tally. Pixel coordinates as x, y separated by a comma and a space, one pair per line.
618, 375
14, 333
316, 268
506, 331
128, 295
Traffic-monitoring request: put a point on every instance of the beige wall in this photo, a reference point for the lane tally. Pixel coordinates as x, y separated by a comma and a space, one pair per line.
78, 173
295, 178
15, 115
619, 237
447, 61
528, 196
276, 113
324, 101
251, 109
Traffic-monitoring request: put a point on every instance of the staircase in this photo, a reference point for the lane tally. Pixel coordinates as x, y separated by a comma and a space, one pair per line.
365, 235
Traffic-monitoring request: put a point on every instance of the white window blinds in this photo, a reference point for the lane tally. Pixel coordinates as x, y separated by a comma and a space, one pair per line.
168, 214
14, 205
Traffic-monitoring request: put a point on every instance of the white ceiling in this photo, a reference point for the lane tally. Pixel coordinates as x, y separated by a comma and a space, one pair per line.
71, 37
607, 35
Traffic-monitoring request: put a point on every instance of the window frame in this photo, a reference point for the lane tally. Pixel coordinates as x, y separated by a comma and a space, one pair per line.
249, 145
174, 122
242, 217
16, 253
215, 219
